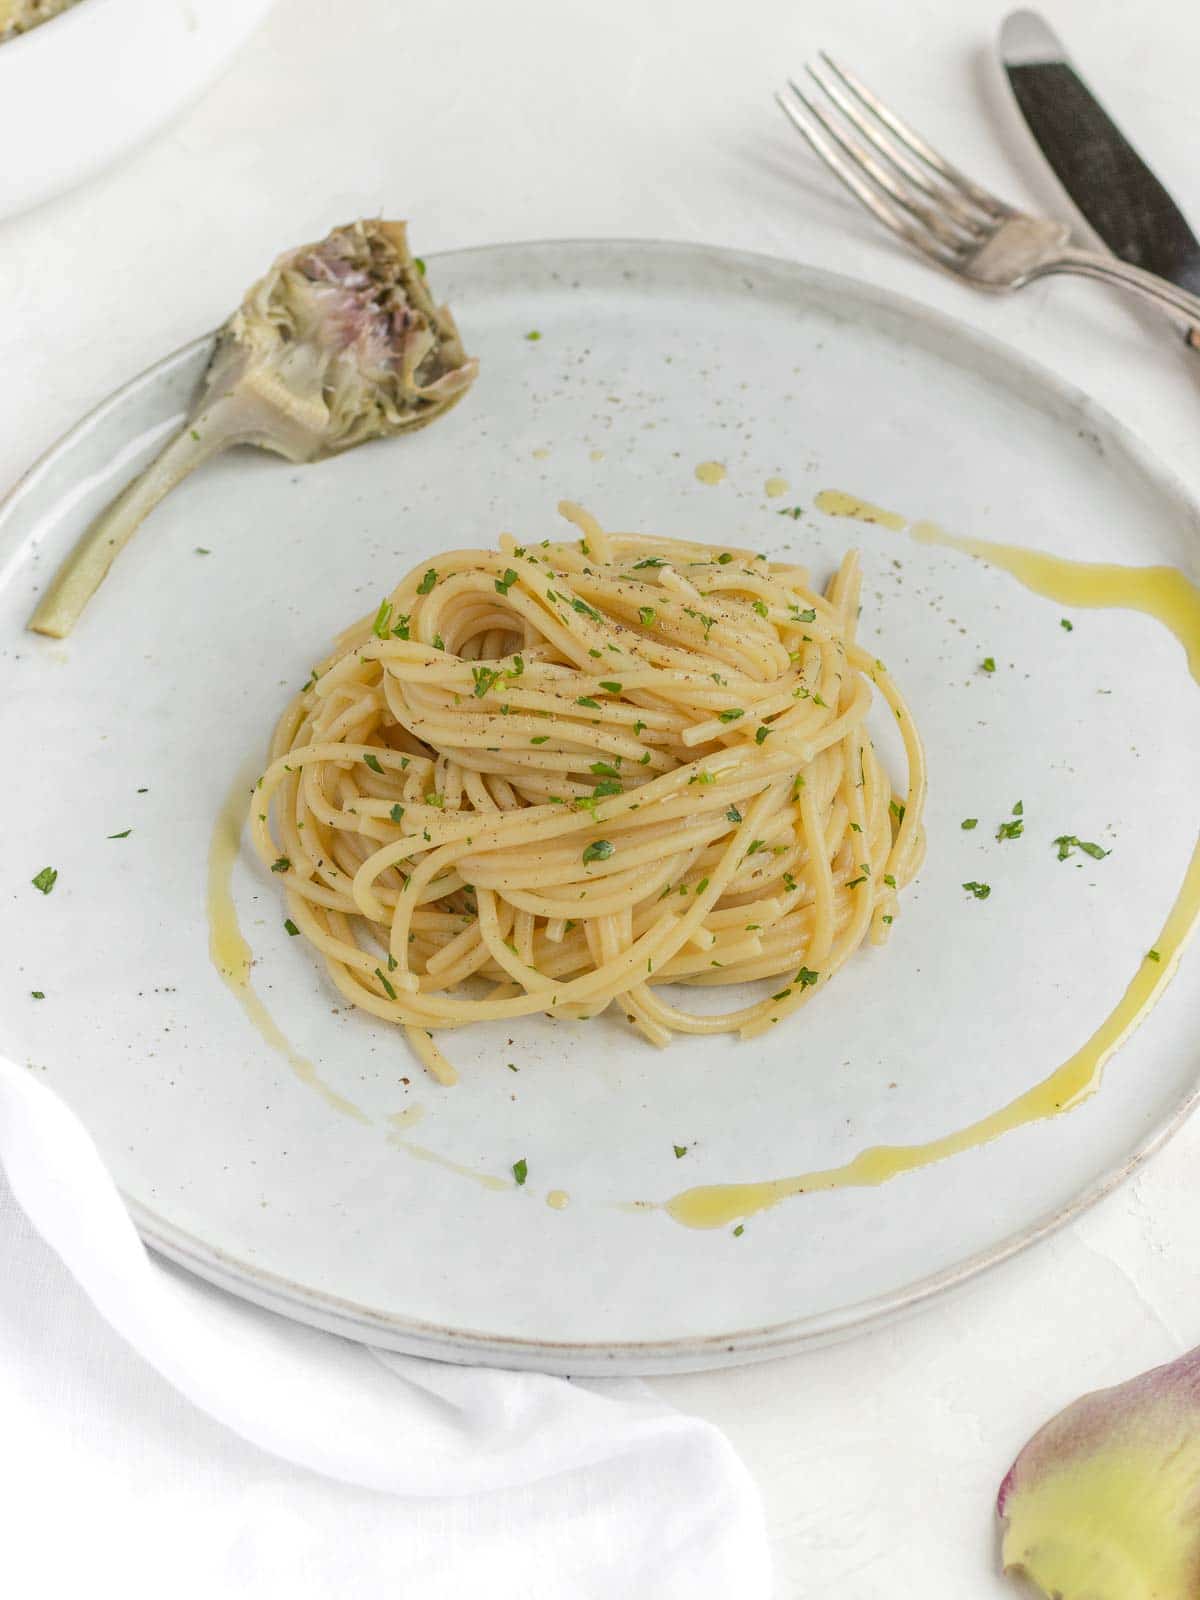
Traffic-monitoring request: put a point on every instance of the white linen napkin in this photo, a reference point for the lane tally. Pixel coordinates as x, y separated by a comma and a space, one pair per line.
573, 1488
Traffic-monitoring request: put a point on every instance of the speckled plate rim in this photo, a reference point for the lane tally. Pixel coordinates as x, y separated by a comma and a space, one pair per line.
691, 1353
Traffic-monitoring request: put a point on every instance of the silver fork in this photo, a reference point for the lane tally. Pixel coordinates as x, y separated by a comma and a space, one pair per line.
963, 227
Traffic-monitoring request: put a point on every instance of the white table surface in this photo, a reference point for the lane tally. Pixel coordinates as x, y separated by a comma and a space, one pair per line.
878, 1459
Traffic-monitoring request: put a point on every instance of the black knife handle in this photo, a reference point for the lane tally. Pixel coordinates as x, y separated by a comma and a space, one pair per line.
1107, 180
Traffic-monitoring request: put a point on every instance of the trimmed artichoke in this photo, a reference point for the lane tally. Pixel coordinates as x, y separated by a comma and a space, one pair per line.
1103, 1503
339, 343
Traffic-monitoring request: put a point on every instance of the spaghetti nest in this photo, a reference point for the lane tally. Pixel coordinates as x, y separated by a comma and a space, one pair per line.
561, 776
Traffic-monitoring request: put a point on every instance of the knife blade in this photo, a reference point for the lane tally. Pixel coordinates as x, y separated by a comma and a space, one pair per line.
1102, 173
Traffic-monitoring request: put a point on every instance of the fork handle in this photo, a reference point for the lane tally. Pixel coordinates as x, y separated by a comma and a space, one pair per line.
1167, 296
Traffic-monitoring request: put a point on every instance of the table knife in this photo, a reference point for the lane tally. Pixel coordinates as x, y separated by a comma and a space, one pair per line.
1108, 181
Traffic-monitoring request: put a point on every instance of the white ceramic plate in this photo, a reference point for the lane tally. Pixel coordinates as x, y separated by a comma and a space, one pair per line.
89, 85
652, 358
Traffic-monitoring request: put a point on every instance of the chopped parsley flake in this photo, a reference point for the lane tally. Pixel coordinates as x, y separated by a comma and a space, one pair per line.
427, 582
650, 561
387, 987
733, 814
484, 679
739, 1230
45, 880
383, 619
795, 512
1151, 955
292, 929
201, 551
586, 610
504, 584
988, 663
804, 616
598, 850
760, 606
729, 716
896, 808
755, 846
890, 880
281, 864
680, 1151
761, 733
533, 336
1067, 627
520, 1171
968, 823
541, 739
979, 890
372, 761
397, 812
586, 700
400, 631
40, 994
646, 615
124, 835
805, 978
1010, 830
610, 687
1067, 842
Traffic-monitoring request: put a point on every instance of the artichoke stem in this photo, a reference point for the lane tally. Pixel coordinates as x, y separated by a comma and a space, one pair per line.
81, 574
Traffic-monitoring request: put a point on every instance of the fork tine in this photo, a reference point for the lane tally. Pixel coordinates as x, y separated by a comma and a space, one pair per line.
949, 202
953, 234
987, 202
851, 175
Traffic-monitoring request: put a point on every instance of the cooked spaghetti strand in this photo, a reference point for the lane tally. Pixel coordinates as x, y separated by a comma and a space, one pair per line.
553, 778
